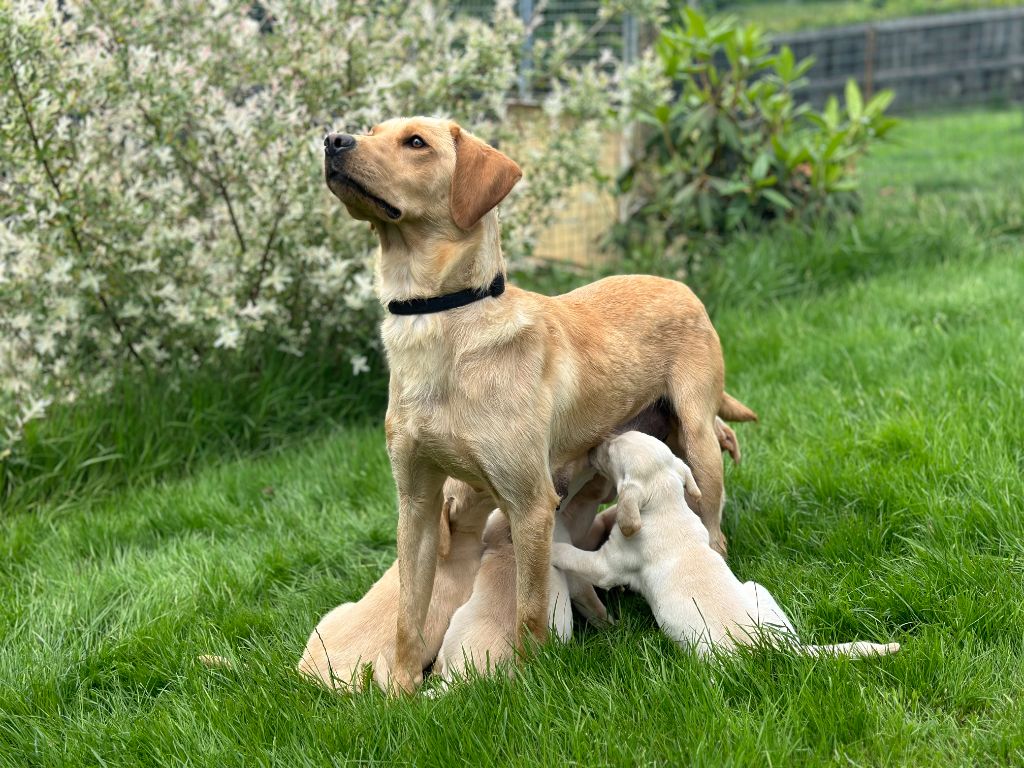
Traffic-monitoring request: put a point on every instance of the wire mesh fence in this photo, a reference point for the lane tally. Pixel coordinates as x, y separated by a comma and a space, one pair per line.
586, 211
928, 61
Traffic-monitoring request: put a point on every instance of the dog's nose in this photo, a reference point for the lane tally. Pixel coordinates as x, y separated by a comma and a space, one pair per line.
336, 143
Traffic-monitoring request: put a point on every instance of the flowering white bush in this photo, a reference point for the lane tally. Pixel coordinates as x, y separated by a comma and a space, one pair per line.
161, 192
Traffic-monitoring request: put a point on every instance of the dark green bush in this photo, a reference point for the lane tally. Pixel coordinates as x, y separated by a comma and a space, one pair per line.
735, 149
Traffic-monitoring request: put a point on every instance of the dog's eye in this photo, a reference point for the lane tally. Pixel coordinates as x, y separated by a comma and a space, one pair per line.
415, 142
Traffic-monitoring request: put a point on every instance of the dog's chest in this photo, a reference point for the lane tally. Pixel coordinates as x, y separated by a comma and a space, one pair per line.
421, 363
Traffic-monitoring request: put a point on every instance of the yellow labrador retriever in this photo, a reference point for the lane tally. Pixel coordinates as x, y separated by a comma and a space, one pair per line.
495, 386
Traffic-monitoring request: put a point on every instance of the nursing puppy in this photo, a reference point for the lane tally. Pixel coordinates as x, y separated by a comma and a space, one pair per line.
695, 597
482, 633
355, 634
497, 386
587, 490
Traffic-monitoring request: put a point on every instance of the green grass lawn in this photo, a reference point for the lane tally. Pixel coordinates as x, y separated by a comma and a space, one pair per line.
879, 498
792, 15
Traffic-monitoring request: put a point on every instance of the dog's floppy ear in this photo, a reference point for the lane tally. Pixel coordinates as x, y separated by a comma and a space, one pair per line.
444, 542
482, 178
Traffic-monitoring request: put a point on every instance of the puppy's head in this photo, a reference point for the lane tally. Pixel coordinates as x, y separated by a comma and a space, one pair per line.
464, 511
497, 532
418, 170
639, 455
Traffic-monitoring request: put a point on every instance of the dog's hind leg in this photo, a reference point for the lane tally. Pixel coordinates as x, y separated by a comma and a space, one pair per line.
695, 440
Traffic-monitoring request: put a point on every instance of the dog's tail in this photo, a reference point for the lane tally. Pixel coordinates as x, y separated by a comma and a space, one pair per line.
732, 409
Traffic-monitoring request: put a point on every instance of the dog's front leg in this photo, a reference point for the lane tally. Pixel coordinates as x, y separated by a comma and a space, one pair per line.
419, 505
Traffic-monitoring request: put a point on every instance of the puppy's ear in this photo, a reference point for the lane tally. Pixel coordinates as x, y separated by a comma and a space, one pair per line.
483, 177
689, 483
444, 542
627, 513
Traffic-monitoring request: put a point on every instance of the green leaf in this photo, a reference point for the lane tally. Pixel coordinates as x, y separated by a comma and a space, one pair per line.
777, 199
879, 103
884, 125
831, 113
727, 130
695, 23
781, 150
803, 66
784, 63
834, 143
854, 103
735, 213
729, 187
684, 196
816, 119
760, 167
707, 217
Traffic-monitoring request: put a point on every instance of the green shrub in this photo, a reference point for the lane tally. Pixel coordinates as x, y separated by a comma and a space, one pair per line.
734, 149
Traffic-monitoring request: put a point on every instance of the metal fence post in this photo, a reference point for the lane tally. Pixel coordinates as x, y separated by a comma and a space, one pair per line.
526, 63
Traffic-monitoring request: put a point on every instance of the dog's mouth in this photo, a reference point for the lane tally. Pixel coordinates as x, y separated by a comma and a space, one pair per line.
341, 183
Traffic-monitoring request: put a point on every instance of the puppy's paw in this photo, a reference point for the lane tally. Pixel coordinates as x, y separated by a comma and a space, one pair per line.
628, 526
689, 482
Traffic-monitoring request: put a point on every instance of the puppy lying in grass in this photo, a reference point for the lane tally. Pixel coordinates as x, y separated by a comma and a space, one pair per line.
355, 634
482, 633
695, 597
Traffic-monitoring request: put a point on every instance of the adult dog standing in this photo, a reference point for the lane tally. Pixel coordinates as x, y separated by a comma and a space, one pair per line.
505, 384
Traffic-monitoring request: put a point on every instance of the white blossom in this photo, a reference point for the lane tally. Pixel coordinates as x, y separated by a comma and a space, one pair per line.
181, 209
359, 365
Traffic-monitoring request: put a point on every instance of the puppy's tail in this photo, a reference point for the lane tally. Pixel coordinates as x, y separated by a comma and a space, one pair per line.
732, 409
857, 650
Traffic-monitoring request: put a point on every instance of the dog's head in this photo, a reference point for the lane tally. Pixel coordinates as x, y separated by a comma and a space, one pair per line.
418, 170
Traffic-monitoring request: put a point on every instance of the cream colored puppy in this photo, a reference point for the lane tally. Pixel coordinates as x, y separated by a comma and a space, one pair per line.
695, 597
355, 634
482, 633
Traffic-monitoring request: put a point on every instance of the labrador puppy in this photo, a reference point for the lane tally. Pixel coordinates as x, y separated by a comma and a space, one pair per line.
482, 633
587, 490
695, 597
496, 386
356, 634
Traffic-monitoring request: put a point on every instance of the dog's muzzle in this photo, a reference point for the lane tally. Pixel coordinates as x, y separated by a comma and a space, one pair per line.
337, 143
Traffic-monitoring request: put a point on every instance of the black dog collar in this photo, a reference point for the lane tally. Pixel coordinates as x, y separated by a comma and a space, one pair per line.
448, 301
